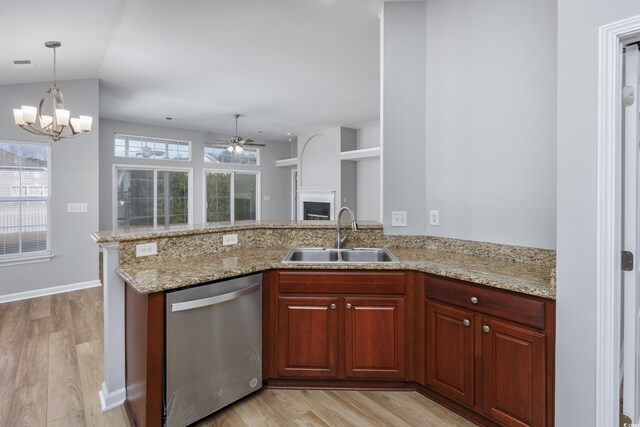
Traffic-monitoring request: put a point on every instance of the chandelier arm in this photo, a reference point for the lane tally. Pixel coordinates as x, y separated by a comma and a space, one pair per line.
29, 129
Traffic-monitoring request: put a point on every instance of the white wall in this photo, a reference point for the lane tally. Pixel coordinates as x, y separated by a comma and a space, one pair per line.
368, 175
74, 178
491, 120
275, 181
578, 22
403, 114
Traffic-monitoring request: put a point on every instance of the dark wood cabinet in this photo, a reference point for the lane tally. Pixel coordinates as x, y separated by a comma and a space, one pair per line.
339, 325
449, 351
308, 337
374, 337
491, 351
513, 374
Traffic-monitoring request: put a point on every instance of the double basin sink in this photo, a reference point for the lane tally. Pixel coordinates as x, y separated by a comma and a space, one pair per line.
339, 256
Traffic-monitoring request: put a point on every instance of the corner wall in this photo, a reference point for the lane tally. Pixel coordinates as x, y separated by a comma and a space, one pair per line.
491, 120
74, 179
402, 115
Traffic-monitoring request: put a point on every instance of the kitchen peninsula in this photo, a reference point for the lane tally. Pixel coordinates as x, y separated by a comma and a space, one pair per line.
430, 294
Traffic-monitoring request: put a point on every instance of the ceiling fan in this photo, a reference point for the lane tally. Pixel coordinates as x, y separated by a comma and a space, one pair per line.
237, 142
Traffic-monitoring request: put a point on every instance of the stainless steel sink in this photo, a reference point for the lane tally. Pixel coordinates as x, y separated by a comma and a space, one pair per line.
339, 256
312, 255
367, 255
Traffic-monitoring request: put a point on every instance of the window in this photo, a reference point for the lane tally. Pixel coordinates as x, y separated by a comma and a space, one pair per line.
24, 200
231, 195
220, 154
152, 197
141, 147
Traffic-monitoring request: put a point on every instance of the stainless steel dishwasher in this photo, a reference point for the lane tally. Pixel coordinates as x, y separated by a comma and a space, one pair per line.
213, 347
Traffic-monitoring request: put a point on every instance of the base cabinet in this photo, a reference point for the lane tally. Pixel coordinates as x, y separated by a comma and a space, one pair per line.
374, 338
513, 374
340, 325
500, 368
450, 351
308, 337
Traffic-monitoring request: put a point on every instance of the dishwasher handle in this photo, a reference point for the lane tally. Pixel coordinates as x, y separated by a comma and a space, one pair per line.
203, 302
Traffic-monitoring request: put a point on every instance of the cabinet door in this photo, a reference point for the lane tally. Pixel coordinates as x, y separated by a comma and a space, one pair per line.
513, 374
449, 351
374, 337
307, 337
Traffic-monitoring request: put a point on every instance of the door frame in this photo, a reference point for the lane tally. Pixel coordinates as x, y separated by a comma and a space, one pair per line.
611, 38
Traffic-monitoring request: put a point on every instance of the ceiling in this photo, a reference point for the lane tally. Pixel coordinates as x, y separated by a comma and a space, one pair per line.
289, 66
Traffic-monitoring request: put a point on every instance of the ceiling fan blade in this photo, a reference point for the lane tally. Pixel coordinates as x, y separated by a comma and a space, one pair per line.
253, 144
222, 140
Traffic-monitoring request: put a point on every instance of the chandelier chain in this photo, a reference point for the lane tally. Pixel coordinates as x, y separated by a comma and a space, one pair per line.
54, 67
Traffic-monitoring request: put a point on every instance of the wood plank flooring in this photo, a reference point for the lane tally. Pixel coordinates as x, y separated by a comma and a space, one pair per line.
51, 370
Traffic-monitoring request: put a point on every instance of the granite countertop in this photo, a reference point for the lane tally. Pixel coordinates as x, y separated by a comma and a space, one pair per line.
160, 274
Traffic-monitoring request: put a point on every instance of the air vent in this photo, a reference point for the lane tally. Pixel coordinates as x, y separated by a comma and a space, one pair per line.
22, 63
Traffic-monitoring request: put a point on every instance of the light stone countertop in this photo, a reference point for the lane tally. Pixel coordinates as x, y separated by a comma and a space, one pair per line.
160, 274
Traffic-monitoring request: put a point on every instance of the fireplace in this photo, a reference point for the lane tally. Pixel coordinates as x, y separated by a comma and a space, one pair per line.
316, 211
316, 205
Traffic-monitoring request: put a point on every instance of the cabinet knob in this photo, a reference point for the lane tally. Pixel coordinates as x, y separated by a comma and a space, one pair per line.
474, 300
466, 322
349, 306
332, 306
486, 329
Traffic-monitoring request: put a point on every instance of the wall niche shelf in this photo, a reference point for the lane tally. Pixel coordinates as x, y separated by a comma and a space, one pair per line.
364, 153
287, 163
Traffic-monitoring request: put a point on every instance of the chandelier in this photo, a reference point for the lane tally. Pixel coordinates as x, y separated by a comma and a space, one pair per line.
58, 124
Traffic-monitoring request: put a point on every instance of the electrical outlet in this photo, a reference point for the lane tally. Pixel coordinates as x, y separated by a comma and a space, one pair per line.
230, 239
434, 217
266, 198
146, 249
76, 207
398, 219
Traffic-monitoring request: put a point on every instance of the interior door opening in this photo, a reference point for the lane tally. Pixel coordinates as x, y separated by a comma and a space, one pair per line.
630, 295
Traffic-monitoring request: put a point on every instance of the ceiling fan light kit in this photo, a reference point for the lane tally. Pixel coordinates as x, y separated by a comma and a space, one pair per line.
237, 143
55, 124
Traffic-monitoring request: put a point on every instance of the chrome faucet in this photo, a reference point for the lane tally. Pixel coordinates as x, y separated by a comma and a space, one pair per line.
339, 238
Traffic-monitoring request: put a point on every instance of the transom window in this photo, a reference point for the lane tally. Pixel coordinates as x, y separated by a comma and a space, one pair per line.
24, 200
142, 147
220, 154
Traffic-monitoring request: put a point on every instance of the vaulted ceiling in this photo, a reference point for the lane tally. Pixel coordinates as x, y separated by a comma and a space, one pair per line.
294, 66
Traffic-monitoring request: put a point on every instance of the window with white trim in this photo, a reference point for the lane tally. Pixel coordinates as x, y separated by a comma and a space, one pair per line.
142, 147
231, 195
152, 197
220, 154
24, 199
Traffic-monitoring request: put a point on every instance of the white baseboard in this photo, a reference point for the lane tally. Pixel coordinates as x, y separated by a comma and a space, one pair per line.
49, 291
110, 400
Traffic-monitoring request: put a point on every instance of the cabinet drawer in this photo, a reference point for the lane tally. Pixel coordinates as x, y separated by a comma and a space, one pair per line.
521, 309
352, 282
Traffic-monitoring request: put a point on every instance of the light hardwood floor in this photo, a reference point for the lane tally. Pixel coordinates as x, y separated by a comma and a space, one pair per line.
51, 371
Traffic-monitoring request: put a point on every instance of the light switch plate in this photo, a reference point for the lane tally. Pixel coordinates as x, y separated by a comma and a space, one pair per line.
76, 207
398, 219
230, 239
146, 249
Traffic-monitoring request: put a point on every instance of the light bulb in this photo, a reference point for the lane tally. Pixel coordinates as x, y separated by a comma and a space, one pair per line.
75, 125
85, 123
29, 114
230, 148
62, 117
17, 117
239, 149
